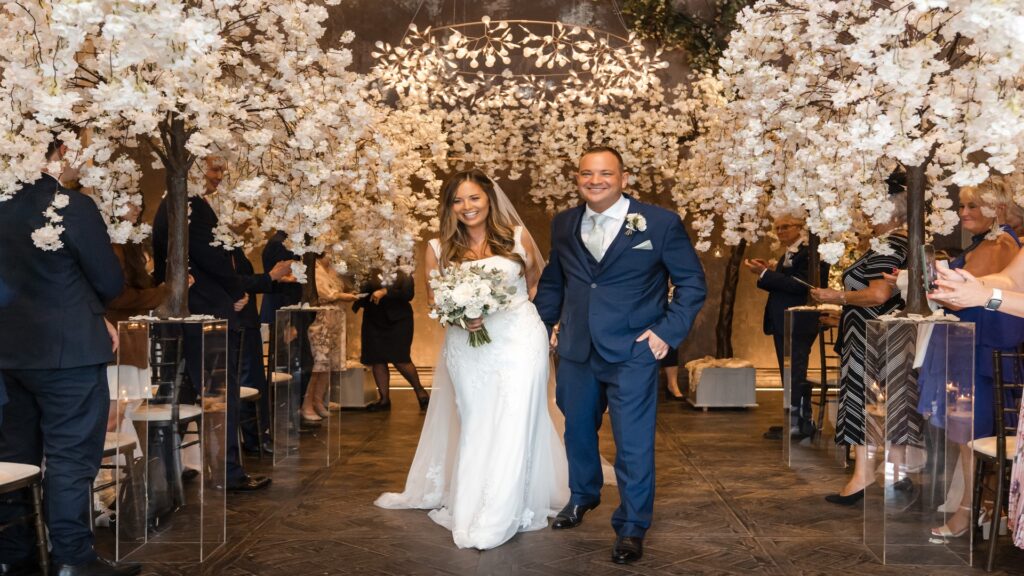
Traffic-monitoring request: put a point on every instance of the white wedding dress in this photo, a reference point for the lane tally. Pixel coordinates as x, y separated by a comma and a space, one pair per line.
489, 462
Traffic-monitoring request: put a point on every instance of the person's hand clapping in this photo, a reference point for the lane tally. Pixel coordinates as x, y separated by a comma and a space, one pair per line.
282, 272
241, 303
756, 265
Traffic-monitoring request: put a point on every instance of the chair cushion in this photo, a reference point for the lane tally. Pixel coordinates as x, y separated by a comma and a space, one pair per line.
162, 412
987, 446
11, 472
249, 394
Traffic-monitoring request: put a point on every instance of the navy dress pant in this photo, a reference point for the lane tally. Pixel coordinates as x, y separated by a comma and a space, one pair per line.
60, 415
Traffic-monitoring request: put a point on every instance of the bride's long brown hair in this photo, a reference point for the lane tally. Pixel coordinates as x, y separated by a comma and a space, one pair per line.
499, 230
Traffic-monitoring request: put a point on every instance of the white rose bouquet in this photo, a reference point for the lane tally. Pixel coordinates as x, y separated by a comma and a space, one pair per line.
468, 293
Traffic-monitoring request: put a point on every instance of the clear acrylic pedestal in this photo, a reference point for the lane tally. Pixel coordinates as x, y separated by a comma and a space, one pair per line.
804, 444
919, 380
172, 383
308, 360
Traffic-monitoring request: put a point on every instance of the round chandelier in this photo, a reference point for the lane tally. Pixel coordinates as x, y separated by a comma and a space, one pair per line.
517, 63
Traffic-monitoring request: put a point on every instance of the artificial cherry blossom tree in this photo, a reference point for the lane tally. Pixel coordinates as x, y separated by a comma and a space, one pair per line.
824, 99
573, 87
246, 79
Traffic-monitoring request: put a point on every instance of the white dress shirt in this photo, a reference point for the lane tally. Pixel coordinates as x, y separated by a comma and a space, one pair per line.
614, 217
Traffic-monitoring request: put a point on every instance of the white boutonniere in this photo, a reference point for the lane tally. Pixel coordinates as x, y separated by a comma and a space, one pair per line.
635, 223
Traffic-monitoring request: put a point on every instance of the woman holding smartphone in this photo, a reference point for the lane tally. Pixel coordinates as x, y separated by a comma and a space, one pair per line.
983, 213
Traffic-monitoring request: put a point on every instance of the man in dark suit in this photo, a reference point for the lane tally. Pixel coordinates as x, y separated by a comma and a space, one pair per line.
777, 278
54, 350
252, 371
218, 291
275, 252
611, 261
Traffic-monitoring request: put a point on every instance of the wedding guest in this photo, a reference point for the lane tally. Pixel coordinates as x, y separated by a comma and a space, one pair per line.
1003, 292
218, 291
387, 337
139, 296
54, 350
983, 214
866, 295
252, 372
780, 280
323, 343
274, 252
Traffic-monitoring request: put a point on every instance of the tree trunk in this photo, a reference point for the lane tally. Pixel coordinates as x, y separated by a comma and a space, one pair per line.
309, 293
176, 164
723, 331
813, 261
916, 301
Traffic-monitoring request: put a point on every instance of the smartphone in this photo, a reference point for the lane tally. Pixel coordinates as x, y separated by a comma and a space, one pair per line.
929, 270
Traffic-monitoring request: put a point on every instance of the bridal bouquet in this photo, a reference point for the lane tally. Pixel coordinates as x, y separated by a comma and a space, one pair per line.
467, 293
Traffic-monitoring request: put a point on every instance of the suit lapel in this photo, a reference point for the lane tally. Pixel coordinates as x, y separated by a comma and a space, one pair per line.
619, 243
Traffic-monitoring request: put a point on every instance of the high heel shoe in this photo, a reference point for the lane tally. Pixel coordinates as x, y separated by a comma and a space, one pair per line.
848, 500
313, 419
321, 410
944, 531
985, 523
379, 407
424, 402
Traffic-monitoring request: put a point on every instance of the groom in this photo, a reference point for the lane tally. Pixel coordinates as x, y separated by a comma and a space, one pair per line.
605, 286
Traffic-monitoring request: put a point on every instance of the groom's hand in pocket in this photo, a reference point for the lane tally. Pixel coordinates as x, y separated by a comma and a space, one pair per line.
658, 346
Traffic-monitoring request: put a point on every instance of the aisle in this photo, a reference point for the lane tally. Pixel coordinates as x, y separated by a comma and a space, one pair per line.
725, 505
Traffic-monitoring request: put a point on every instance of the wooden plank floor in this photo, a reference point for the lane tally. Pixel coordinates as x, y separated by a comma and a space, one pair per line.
725, 505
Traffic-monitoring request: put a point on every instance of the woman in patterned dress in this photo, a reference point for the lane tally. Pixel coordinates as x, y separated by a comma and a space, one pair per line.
866, 295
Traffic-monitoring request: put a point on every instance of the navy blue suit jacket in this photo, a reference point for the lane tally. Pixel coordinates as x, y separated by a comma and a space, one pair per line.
217, 286
607, 305
785, 292
52, 311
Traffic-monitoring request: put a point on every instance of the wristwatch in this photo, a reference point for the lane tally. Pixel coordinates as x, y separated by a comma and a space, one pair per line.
995, 301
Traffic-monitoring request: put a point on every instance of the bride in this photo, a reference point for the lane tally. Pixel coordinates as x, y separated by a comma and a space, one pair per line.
489, 463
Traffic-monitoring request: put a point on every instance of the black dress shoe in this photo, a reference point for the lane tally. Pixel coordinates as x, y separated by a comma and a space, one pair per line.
627, 549
98, 567
250, 484
773, 433
22, 568
848, 500
572, 515
268, 449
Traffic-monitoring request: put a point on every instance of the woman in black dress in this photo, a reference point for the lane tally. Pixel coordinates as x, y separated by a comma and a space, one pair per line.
387, 337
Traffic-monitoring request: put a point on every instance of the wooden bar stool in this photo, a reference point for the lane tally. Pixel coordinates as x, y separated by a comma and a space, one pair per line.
14, 477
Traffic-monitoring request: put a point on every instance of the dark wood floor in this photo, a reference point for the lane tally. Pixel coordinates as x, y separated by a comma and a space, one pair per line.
725, 505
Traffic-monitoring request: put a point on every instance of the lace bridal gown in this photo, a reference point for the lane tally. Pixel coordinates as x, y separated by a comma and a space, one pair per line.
489, 463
